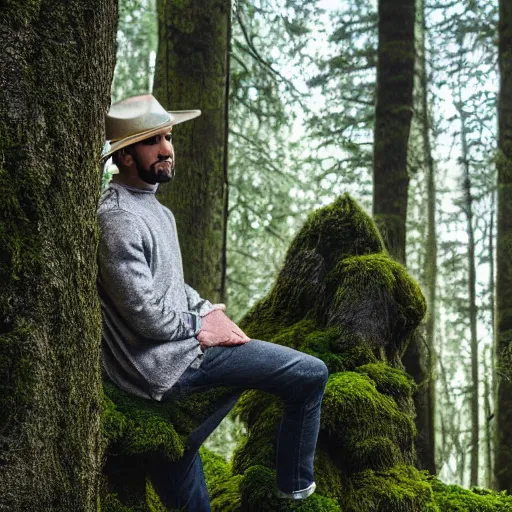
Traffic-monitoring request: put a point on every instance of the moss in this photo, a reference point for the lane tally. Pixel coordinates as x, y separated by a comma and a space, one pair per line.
389, 381
399, 489
258, 447
252, 404
396, 310
354, 413
226, 496
295, 335
111, 503
327, 476
341, 350
153, 502
452, 498
258, 490
216, 469
337, 231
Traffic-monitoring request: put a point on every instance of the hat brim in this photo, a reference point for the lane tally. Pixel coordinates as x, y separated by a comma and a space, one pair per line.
176, 117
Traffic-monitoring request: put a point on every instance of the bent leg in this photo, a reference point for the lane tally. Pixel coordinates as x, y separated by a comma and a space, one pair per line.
297, 378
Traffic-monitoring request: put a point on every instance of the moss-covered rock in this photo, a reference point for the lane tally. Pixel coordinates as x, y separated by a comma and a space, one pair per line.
452, 498
342, 299
398, 489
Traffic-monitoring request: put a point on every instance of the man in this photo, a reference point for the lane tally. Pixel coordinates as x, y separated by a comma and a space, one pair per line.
161, 340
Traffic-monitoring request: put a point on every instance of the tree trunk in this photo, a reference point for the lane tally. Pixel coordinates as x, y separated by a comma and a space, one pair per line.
488, 431
473, 311
395, 79
426, 443
192, 70
56, 66
503, 464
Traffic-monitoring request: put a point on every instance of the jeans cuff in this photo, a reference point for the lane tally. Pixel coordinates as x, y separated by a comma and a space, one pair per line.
298, 495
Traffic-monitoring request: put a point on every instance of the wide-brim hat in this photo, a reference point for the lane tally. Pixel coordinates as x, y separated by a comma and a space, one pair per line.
137, 118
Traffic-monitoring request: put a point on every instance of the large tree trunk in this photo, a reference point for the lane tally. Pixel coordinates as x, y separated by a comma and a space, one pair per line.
395, 79
192, 71
56, 67
503, 464
395, 82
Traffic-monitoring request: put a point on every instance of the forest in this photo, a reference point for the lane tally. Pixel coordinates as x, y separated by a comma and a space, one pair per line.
347, 192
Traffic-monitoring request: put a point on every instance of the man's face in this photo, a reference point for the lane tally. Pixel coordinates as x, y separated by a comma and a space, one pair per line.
154, 158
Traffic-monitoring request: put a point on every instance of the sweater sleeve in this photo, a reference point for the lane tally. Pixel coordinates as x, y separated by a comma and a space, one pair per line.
125, 273
196, 303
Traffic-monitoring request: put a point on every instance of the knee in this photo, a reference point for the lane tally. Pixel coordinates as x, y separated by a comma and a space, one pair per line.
316, 371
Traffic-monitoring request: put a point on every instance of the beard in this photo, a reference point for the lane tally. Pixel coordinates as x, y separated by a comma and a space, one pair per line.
160, 171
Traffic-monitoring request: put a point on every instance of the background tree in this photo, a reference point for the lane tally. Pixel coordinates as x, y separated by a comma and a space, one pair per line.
393, 114
56, 69
504, 254
421, 247
192, 70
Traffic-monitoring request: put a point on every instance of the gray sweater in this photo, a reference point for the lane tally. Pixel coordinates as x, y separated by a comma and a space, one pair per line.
150, 316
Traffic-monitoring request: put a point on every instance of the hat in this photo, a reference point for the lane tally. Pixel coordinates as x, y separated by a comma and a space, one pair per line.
137, 118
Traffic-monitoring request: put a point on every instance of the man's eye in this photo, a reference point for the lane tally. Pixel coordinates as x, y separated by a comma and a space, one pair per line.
168, 137
150, 141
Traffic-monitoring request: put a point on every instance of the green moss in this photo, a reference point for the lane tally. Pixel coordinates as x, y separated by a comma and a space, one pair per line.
226, 496
252, 404
388, 320
354, 413
399, 489
389, 381
216, 469
327, 476
341, 350
153, 502
258, 490
295, 335
452, 498
375, 452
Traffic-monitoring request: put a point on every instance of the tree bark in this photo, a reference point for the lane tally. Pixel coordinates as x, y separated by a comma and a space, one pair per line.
56, 66
503, 343
426, 444
395, 79
473, 311
192, 70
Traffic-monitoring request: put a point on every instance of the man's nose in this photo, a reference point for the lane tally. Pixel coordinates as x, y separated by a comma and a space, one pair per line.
166, 147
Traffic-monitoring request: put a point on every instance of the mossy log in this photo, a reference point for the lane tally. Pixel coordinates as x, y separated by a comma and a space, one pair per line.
341, 298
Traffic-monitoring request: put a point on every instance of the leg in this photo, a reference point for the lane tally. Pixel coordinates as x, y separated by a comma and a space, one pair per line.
181, 484
299, 379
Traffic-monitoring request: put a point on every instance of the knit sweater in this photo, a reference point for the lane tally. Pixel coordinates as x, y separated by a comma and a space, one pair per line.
150, 316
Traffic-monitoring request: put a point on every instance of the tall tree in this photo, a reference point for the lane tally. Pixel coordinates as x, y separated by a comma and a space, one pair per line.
422, 243
393, 114
56, 66
192, 70
471, 281
503, 464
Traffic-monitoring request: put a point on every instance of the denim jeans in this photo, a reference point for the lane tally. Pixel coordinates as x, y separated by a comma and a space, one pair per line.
297, 378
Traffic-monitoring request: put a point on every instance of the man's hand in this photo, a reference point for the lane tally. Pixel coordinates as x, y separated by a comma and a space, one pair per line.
218, 329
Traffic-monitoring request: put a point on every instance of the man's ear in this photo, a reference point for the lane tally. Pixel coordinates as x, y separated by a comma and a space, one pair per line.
126, 157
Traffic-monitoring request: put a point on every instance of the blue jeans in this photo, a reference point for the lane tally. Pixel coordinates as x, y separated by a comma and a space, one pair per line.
297, 378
